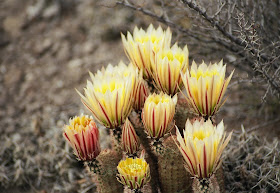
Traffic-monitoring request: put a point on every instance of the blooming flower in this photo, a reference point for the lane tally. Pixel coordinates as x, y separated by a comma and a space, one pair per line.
158, 112
206, 86
133, 172
143, 45
168, 64
83, 136
130, 140
109, 95
202, 147
140, 94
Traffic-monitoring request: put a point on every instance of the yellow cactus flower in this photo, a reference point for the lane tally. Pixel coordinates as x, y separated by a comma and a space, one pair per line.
83, 136
109, 95
206, 86
202, 147
140, 94
134, 173
157, 114
142, 44
130, 140
167, 66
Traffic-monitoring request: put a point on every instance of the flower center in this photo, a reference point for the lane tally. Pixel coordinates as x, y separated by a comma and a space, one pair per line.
201, 134
179, 56
134, 167
80, 123
158, 99
207, 73
146, 38
111, 86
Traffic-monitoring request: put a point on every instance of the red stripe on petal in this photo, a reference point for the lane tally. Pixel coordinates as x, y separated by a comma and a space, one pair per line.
66, 136
205, 161
117, 118
200, 175
169, 78
105, 114
206, 102
189, 160
192, 96
79, 150
153, 115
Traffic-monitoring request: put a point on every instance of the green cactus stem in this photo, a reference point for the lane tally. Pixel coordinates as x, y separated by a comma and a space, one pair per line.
151, 157
93, 166
206, 185
105, 177
116, 135
172, 173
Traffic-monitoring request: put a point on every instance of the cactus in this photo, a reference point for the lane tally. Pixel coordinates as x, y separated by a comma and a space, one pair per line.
172, 174
206, 185
106, 181
172, 164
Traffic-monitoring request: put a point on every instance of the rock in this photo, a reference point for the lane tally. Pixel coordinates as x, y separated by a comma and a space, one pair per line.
75, 63
41, 48
51, 11
12, 25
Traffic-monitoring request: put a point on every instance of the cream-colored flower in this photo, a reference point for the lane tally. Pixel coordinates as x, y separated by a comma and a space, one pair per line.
83, 136
157, 114
206, 86
202, 147
109, 96
168, 64
134, 173
130, 140
139, 47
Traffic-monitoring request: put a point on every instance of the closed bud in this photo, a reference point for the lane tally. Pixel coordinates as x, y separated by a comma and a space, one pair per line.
83, 136
130, 140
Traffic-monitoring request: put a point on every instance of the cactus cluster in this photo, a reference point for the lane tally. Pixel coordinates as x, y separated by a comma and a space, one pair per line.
171, 160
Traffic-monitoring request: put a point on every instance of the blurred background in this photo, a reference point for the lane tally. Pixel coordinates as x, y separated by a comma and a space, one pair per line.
47, 48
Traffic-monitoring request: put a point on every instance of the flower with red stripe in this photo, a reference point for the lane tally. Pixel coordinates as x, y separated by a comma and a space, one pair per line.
141, 92
109, 96
143, 45
134, 173
206, 86
202, 147
130, 140
83, 136
167, 65
157, 114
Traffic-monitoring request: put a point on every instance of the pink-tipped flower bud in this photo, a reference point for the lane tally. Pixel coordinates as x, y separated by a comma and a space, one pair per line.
130, 140
83, 136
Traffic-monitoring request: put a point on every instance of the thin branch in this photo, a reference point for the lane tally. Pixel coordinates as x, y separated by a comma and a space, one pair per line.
187, 33
262, 125
236, 40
